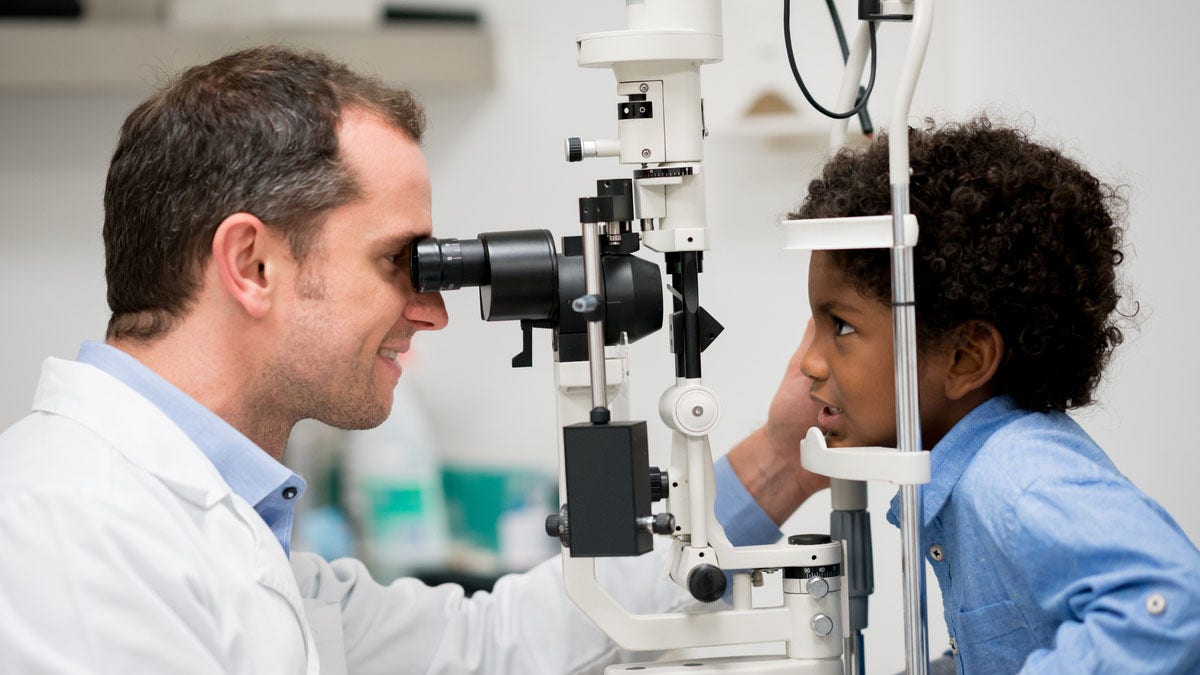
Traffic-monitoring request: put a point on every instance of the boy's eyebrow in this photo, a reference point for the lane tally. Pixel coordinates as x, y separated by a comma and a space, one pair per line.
832, 306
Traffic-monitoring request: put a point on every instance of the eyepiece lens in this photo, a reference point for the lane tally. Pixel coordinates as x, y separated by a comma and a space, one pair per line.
428, 267
449, 264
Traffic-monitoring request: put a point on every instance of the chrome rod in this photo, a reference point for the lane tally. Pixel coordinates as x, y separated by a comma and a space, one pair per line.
908, 435
595, 329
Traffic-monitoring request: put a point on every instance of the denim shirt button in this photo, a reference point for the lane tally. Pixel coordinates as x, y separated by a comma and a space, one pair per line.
1156, 604
936, 553
953, 646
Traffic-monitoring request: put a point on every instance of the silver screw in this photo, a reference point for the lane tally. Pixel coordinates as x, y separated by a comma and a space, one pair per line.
818, 587
585, 303
821, 624
643, 87
645, 152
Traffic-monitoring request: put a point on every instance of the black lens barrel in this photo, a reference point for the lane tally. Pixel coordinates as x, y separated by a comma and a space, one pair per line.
521, 276
448, 264
524, 276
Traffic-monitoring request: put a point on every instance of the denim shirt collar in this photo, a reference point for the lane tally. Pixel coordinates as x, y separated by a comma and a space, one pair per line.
951, 456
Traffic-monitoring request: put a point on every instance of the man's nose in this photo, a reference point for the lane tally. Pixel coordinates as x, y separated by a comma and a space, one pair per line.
427, 311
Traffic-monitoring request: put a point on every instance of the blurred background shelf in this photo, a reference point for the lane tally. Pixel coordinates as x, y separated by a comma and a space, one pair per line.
108, 56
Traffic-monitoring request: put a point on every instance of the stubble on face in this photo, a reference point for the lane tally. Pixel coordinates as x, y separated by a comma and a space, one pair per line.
312, 381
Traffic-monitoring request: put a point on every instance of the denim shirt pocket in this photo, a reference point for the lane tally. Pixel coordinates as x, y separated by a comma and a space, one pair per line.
993, 639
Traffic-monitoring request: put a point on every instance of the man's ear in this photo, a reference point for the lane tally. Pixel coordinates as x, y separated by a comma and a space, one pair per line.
978, 349
248, 257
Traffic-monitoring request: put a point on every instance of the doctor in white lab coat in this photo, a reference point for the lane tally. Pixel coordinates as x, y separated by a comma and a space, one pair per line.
126, 552
258, 217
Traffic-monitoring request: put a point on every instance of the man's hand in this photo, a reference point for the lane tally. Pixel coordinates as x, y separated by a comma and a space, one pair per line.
768, 461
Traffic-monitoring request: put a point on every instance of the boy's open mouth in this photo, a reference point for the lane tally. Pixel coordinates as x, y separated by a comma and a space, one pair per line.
828, 416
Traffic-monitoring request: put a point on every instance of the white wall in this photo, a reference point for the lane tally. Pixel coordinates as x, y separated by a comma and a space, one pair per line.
495, 158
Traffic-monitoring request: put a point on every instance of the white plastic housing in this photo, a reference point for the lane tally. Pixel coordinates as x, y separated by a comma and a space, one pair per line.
887, 464
825, 234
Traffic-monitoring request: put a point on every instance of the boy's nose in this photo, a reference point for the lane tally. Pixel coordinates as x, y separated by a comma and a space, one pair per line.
812, 365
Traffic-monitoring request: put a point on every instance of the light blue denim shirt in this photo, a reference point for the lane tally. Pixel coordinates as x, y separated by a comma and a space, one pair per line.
270, 487
745, 523
1049, 560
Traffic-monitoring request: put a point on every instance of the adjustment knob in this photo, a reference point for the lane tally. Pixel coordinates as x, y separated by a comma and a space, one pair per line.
706, 583
659, 523
809, 539
821, 624
818, 587
559, 527
664, 523
573, 149
660, 484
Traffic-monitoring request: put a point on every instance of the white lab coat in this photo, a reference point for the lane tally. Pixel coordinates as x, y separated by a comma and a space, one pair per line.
122, 550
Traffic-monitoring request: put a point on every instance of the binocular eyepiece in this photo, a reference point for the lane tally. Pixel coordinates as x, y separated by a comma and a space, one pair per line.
522, 276
516, 272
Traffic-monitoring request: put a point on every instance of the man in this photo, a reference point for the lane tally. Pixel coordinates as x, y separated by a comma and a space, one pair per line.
258, 218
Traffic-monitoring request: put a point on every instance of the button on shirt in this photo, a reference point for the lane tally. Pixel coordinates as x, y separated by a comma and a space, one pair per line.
1049, 560
270, 487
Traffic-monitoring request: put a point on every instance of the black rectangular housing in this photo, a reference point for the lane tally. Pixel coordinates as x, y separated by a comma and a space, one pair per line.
608, 488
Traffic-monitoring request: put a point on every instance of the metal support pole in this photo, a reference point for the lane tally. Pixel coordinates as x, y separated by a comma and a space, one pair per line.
595, 329
908, 435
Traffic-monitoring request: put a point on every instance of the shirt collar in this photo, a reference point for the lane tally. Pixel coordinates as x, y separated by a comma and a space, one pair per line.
951, 456
251, 473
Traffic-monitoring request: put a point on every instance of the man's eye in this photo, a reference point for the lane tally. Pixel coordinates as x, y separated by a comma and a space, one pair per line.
841, 327
400, 260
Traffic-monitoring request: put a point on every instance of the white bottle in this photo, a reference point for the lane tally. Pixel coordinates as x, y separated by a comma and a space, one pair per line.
394, 491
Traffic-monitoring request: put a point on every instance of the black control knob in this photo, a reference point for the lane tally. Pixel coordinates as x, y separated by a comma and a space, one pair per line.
660, 484
659, 523
574, 149
558, 526
664, 523
706, 583
809, 539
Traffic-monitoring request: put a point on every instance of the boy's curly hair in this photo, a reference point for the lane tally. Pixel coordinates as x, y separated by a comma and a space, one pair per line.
1012, 233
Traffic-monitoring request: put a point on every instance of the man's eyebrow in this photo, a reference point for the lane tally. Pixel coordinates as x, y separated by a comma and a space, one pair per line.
398, 242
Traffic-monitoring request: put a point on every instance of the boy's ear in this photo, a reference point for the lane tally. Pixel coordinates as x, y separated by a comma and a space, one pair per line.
976, 355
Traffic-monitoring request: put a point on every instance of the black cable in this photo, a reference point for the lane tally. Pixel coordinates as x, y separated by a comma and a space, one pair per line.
787, 42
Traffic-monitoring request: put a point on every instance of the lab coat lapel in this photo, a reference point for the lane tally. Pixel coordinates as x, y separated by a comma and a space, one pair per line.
273, 572
105, 405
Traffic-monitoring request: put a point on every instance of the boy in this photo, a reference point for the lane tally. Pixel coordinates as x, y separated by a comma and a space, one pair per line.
1049, 560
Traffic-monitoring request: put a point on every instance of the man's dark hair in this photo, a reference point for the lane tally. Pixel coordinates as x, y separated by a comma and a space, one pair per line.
1012, 233
255, 132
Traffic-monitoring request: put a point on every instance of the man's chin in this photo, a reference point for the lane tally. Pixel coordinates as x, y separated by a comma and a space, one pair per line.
361, 417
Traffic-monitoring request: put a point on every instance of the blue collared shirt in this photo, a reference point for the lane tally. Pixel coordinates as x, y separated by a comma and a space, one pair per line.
270, 487
745, 523
1049, 560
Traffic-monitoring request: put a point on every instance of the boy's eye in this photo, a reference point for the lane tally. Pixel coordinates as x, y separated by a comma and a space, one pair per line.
841, 327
